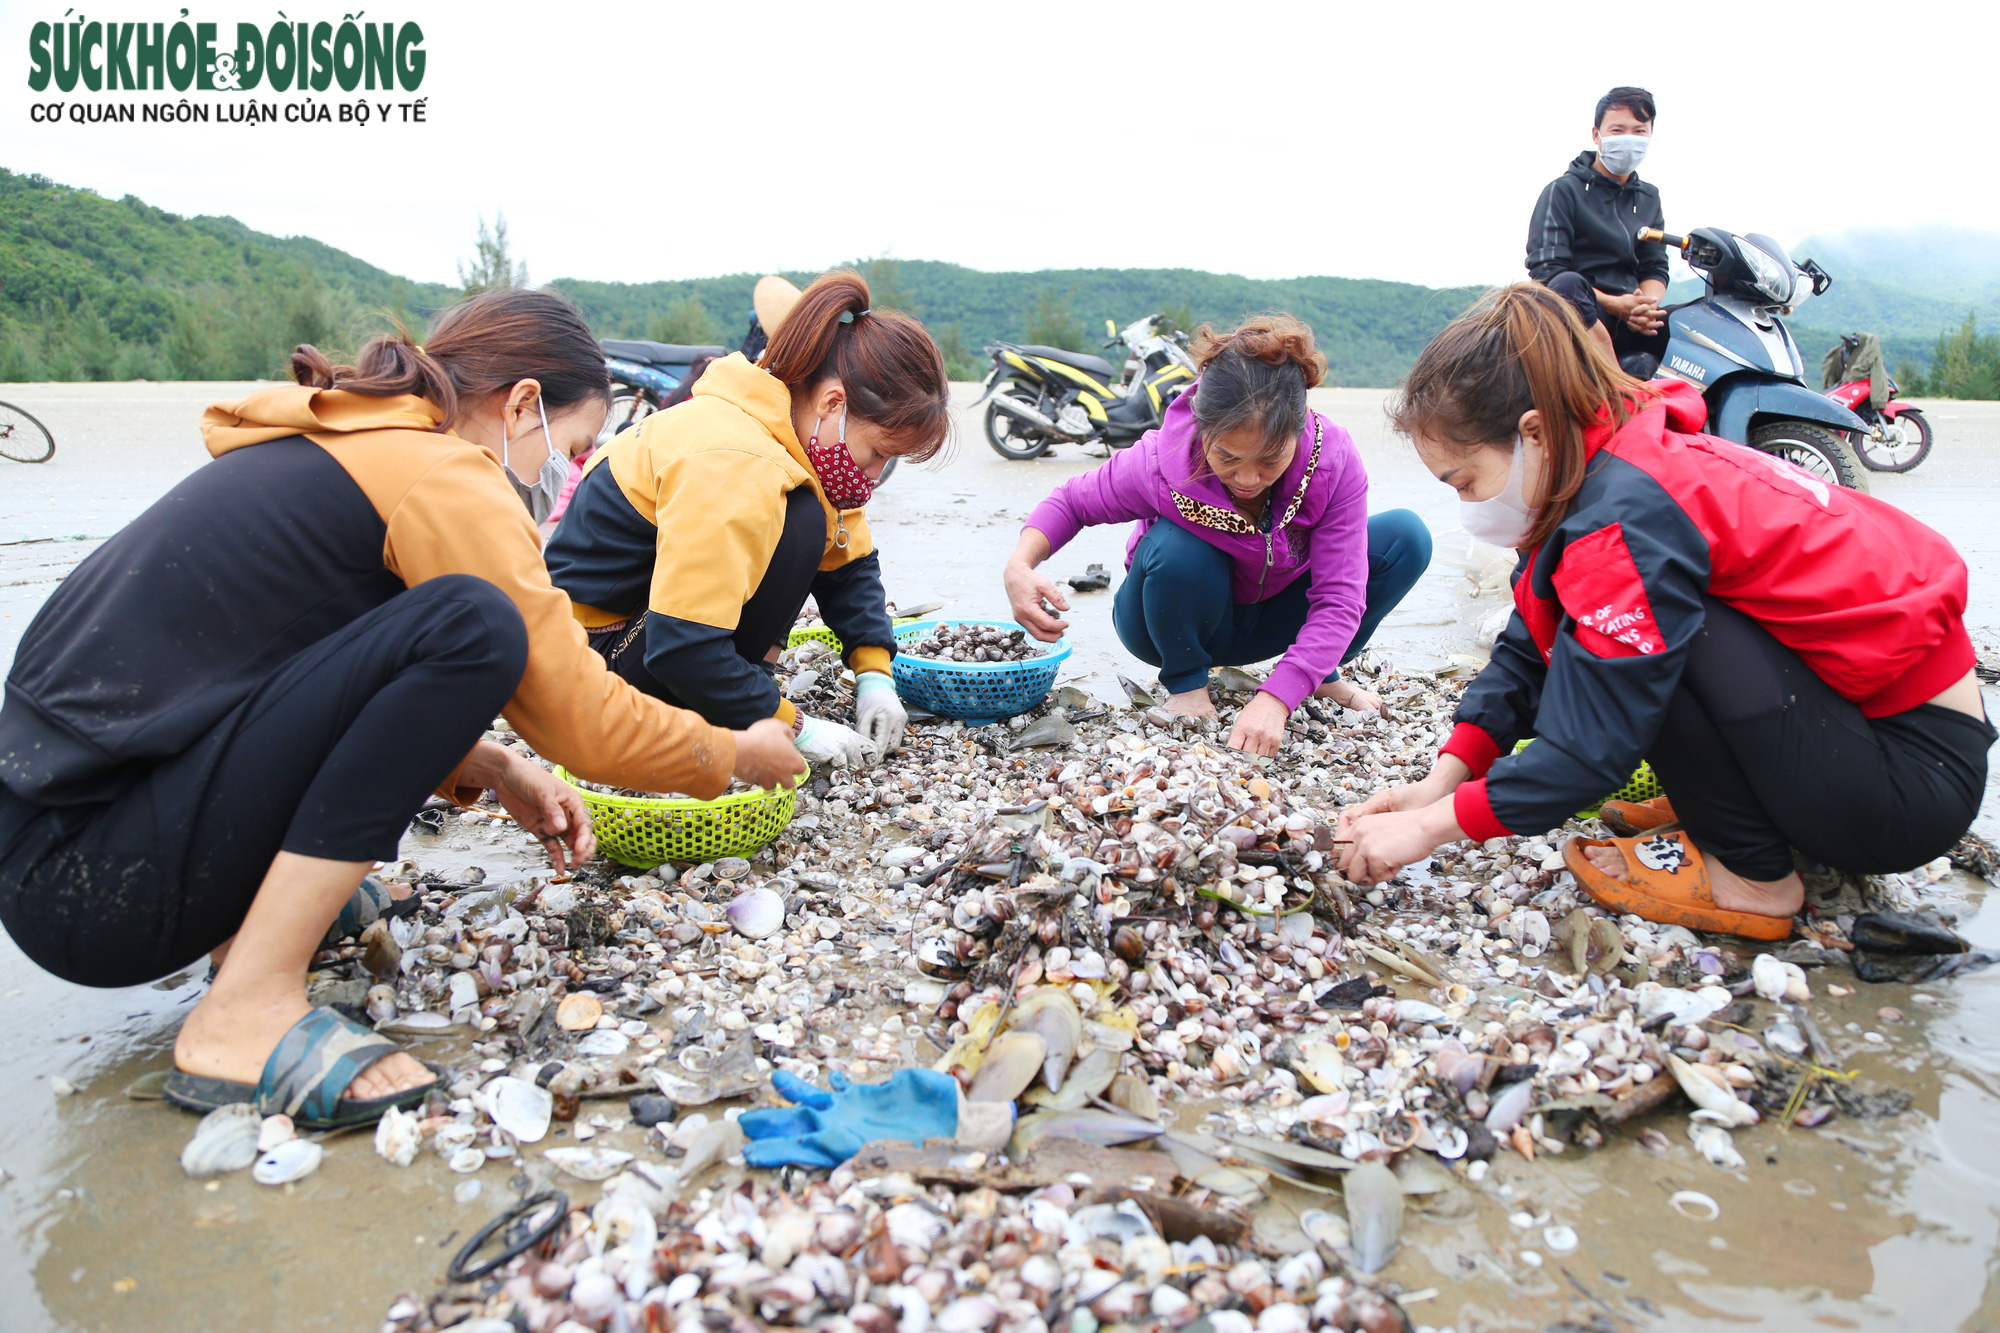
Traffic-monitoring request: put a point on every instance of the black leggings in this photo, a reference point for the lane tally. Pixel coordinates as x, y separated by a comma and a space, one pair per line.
328, 758
767, 617
1760, 755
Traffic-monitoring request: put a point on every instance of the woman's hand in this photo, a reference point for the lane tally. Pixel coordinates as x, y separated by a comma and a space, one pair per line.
1261, 725
766, 757
1380, 845
1027, 590
1445, 776
548, 808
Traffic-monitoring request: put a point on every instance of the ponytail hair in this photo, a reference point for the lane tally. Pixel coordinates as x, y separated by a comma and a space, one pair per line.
481, 346
1520, 348
1256, 375
892, 372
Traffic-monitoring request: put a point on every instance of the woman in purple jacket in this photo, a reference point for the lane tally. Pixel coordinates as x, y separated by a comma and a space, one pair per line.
1253, 536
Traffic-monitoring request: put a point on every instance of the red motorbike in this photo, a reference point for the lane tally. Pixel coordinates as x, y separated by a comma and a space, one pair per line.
1898, 437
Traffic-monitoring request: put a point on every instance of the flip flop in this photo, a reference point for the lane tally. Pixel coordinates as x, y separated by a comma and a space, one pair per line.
1667, 882
313, 1064
1629, 818
370, 903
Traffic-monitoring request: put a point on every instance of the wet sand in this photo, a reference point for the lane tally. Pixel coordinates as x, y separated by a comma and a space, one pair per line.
1886, 1225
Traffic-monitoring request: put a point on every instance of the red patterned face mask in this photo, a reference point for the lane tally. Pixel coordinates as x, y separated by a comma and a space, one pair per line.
845, 484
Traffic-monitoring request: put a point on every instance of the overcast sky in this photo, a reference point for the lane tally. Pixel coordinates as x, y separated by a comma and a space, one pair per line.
642, 141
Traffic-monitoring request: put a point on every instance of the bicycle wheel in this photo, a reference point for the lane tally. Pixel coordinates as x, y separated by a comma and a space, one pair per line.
22, 438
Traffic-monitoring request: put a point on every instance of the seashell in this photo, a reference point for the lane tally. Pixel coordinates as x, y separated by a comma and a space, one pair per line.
293, 1159
519, 1107
397, 1137
1714, 1143
839, 1231
1709, 1095
595, 1296
579, 1012
731, 867
1419, 1013
1324, 1228
1459, 1069
588, 1163
1320, 1064
1452, 1143
1695, 1205
829, 1277
1509, 1106
381, 1004
756, 913
1374, 1215
1559, 1240
914, 1227
1768, 973
466, 1160
1008, 1067
603, 1042
224, 1141
1052, 1014
423, 1023
274, 1131
1131, 1092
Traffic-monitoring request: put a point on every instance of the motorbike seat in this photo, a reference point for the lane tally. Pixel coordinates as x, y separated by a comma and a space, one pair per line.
657, 354
1089, 365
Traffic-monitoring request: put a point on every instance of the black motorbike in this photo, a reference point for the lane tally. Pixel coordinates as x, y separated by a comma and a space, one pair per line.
1045, 395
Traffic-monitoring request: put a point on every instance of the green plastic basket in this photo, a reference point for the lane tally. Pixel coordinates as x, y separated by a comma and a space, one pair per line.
643, 832
821, 634
1643, 786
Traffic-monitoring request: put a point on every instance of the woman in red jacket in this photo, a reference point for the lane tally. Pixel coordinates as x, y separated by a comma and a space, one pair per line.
1789, 655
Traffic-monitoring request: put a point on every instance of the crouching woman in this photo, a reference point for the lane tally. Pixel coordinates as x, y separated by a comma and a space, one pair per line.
1726, 616
1253, 538
231, 709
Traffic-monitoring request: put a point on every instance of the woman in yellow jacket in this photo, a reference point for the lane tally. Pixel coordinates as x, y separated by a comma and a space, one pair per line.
694, 538
231, 709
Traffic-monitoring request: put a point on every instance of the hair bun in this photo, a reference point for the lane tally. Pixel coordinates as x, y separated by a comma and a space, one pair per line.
1275, 338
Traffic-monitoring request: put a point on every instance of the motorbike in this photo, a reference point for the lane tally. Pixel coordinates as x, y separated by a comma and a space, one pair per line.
1734, 347
1044, 395
644, 375
1899, 436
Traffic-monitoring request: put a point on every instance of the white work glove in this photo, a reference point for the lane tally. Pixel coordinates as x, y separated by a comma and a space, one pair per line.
824, 742
878, 710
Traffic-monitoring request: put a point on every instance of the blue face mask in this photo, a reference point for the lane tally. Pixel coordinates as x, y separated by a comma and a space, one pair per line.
541, 497
1621, 154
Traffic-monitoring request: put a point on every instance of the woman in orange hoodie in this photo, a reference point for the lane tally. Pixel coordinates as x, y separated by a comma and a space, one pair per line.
231, 710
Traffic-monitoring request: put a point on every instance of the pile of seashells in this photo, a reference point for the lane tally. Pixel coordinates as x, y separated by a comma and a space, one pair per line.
1135, 935
949, 641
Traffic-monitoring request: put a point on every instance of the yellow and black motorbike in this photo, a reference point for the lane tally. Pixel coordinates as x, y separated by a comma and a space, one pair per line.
1043, 395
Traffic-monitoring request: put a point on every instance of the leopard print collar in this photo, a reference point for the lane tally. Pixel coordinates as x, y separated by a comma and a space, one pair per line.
1228, 520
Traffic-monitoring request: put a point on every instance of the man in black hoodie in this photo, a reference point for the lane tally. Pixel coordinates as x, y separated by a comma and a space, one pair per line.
1583, 237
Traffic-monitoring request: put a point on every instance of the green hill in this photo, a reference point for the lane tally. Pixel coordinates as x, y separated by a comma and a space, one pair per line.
95, 288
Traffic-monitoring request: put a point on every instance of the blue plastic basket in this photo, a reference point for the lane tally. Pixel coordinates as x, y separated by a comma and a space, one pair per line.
976, 692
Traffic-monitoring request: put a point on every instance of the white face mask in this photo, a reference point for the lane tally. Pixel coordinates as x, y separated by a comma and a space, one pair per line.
542, 496
1621, 154
1506, 519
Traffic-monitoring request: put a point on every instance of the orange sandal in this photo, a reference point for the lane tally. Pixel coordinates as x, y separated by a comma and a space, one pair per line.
1667, 882
1629, 818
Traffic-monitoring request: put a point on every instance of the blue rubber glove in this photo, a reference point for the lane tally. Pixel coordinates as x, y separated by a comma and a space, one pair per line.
824, 1129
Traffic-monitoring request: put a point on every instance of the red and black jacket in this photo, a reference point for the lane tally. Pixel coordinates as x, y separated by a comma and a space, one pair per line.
1872, 600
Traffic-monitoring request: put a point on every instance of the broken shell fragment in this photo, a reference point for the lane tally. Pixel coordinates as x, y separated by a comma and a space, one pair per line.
225, 1140
1009, 1066
520, 1108
1694, 1204
579, 1012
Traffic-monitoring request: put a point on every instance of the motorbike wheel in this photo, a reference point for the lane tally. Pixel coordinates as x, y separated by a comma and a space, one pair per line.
1003, 432
1824, 453
628, 407
1885, 456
